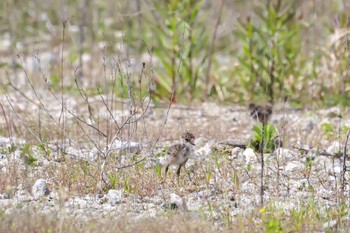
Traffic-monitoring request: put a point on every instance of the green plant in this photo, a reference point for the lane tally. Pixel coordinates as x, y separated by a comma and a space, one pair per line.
208, 176
308, 168
44, 148
273, 226
270, 50
235, 178
271, 139
27, 156
113, 179
158, 169
127, 186
328, 129
180, 43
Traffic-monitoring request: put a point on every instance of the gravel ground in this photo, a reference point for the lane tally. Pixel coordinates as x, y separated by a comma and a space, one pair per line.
220, 178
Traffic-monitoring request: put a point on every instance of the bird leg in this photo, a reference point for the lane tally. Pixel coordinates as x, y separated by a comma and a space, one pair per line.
178, 173
166, 171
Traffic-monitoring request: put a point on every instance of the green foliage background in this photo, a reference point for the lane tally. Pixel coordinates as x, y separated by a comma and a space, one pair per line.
273, 50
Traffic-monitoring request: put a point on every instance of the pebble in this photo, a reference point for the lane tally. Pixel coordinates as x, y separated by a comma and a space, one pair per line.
40, 189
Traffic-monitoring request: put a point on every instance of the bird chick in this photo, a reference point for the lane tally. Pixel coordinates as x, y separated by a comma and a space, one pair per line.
261, 113
178, 154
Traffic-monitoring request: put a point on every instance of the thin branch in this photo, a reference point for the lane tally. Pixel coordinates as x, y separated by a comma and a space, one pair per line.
262, 165
7, 122
320, 152
344, 161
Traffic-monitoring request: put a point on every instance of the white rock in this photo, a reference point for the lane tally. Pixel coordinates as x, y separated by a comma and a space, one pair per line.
248, 202
313, 153
84, 154
338, 166
299, 185
200, 142
150, 212
308, 125
204, 151
333, 112
284, 154
178, 201
3, 160
329, 224
114, 196
236, 152
335, 148
236, 212
293, 166
204, 193
129, 146
249, 155
40, 189
162, 161
325, 193
248, 187
5, 141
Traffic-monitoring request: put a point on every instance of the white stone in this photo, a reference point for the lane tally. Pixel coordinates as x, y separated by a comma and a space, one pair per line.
333, 112
3, 160
308, 125
249, 155
200, 142
178, 201
129, 146
248, 187
84, 154
114, 196
5, 141
284, 154
293, 166
40, 189
204, 151
313, 153
329, 224
162, 161
236, 152
301, 184
204, 193
335, 148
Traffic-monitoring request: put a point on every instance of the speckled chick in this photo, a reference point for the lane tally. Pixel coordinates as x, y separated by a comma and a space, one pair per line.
178, 154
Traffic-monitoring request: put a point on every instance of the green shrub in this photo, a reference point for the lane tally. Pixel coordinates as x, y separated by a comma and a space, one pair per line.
271, 139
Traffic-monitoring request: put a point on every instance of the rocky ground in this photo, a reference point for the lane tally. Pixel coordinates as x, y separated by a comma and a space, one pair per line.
221, 182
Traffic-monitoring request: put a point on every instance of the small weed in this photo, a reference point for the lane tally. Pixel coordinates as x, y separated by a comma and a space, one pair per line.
127, 186
271, 139
158, 169
208, 177
27, 156
328, 129
44, 148
273, 226
113, 179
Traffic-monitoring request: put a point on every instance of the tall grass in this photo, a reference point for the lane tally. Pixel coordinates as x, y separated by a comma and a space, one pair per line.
272, 50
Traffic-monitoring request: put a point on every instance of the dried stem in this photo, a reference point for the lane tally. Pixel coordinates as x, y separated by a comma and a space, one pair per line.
262, 166
7, 122
344, 161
